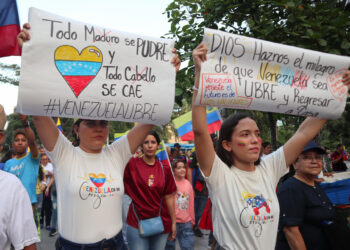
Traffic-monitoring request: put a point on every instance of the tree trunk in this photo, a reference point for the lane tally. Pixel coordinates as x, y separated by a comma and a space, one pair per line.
273, 130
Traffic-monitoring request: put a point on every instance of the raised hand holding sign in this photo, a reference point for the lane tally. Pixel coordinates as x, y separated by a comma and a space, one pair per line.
247, 73
73, 69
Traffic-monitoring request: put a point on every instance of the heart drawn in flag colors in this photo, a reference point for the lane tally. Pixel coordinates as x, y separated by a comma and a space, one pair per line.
78, 70
98, 180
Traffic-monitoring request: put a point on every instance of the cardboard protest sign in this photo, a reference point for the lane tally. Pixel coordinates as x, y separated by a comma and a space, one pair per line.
73, 69
247, 73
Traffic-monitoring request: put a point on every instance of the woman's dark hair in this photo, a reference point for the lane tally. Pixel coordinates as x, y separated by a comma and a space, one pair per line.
154, 133
76, 140
41, 173
175, 162
225, 134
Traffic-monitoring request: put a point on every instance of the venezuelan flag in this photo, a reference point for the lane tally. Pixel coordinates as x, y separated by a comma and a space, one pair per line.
9, 28
58, 124
183, 124
163, 155
117, 136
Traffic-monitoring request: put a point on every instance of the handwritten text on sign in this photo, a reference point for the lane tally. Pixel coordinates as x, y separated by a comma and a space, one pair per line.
72, 69
247, 73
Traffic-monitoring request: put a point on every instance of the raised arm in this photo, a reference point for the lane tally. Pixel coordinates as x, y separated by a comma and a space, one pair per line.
30, 136
45, 126
137, 135
204, 146
306, 132
47, 131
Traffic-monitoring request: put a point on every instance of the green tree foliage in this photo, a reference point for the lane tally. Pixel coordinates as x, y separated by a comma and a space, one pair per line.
317, 25
9, 74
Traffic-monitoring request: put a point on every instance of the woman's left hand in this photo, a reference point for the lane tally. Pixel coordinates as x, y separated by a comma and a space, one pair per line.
346, 79
176, 60
172, 234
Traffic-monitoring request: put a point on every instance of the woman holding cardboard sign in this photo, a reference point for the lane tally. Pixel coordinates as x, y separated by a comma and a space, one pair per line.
242, 186
89, 177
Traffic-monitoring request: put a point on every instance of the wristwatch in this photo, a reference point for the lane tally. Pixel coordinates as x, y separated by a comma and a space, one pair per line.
26, 124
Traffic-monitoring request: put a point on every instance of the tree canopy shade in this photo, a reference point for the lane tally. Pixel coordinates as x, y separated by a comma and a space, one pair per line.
316, 25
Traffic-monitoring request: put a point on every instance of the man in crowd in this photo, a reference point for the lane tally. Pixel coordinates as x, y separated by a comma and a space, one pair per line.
337, 156
16, 216
26, 164
265, 149
177, 154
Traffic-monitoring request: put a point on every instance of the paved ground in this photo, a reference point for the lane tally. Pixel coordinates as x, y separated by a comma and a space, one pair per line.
48, 243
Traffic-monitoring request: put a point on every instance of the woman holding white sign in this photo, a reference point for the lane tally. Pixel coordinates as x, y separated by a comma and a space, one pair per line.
89, 177
242, 186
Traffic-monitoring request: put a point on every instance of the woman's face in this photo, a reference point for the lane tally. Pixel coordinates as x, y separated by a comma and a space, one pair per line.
245, 144
44, 160
150, 146
92, 134
309, 164
180, 170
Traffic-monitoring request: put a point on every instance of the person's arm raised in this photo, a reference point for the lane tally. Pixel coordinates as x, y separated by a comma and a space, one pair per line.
45, 127
306, 132
138, 133
204, 146
30, 136
47, 131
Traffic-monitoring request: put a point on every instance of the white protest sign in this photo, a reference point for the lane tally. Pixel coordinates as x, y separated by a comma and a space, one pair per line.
73, 69
247, 73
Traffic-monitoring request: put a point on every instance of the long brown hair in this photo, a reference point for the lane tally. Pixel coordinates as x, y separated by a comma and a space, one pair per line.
226, 132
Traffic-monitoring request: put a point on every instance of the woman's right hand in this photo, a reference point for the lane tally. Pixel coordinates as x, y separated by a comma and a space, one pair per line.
199, 55
23, 36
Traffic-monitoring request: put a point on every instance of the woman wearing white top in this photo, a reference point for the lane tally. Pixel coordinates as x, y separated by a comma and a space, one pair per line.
89, 178
242, 187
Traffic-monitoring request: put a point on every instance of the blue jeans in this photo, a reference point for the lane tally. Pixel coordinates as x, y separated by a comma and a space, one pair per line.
54, 212
125, 210
115, 243
136, 242
38, 206
199, 205
185, 236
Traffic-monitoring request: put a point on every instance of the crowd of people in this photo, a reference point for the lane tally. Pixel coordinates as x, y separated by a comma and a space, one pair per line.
77, 188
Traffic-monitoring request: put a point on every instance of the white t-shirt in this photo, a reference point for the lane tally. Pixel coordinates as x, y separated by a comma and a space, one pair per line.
48, 168
17, 224
89, 190
245, 205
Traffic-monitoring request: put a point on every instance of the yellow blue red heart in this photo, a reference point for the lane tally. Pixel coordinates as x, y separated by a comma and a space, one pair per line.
97, 180
78, 70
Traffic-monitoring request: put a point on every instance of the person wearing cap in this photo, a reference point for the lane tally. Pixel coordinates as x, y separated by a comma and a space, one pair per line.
16, 215
89, 177
177, 155
304, 206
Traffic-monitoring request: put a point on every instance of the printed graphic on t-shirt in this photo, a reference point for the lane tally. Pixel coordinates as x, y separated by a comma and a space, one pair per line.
182, 200
17, 169
94, 186
151, 180
256, 212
